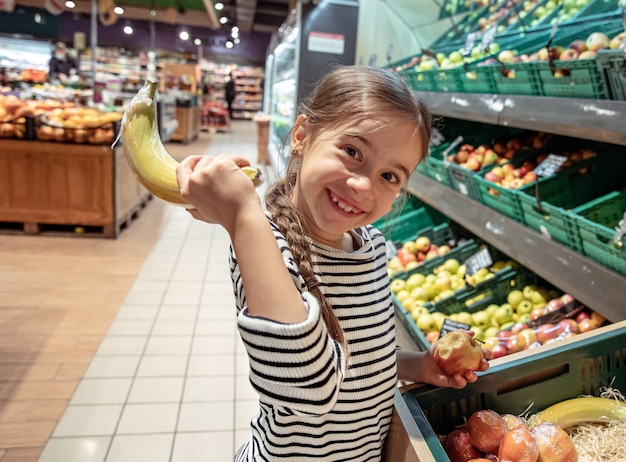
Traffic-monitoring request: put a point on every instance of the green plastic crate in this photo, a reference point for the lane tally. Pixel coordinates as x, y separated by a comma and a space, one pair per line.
612, 67
571, 188
401, 227
596, 222
477, 79
499, 198
580, 365
421, 80
581, 79
520, 79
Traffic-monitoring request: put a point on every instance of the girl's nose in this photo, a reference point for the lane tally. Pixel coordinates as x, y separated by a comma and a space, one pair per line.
360, 184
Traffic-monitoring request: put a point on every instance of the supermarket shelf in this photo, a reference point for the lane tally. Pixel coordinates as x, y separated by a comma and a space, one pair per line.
588, 281
600, 120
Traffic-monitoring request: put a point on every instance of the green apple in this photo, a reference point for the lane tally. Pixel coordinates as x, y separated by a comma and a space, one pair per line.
439, 318
415, 280
420, 293
479, 333
397, 285
503, 314
418, 309
481, 319
465, 318
451, 265
528, 291
514, 298
491, 331
407, 303
426, 323
524, 307
491, 309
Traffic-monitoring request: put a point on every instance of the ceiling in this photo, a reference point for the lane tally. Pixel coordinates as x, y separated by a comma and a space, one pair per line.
249, 15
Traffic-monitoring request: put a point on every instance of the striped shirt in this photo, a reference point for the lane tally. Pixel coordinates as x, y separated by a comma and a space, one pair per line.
313, 407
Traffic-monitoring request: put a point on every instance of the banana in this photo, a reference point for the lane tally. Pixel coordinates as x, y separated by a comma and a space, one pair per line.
586, 409
148, 159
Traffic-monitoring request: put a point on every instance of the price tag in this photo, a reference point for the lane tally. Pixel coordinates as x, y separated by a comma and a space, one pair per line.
620, 232
488, 37
390, 52
373, 59
469, 43
550, 165
436, 138
391, 250
450, 326
454, 144
480, 259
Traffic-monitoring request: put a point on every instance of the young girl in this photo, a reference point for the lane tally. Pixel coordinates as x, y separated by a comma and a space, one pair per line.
314, 306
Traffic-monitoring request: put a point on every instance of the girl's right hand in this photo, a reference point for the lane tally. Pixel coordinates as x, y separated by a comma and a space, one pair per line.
217, 188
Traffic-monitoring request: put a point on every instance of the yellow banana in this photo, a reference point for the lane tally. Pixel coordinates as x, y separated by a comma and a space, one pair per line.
586, 409
148, 159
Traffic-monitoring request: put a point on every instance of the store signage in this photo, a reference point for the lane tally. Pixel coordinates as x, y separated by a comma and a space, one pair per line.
469, 43
550, 165
436, 138
450, 326
323, 42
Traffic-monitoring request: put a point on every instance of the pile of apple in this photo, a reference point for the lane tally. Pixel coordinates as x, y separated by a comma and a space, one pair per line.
414, 252
488, 436
476, 158
511, 177
418, 289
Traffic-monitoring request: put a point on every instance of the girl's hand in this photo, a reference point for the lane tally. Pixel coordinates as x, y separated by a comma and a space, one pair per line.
216, 188
441, 379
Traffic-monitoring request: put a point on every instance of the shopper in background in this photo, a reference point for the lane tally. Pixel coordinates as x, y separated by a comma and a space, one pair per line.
229, 93
62, 65
314, 306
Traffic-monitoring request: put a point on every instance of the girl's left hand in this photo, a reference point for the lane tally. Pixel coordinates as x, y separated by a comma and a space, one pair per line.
439, 378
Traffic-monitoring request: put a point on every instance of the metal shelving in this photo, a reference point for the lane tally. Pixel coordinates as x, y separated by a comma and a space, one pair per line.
600, 120
590, 282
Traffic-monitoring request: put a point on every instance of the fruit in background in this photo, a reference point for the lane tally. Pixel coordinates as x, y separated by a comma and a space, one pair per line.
553, 443
506, 56
618, 41
569, 54
458, 352
481, 319
525, 307
578, 45
514, 298
567, 326
526, 337
503, 314
426, 323
397, 285
498, 351
596, 41
546, 332
486, 430
422, 244
587, 324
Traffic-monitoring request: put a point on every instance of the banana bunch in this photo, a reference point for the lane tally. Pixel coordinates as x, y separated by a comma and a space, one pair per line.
586, 409
145, 153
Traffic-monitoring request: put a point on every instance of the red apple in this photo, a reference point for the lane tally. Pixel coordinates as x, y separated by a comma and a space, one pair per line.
486, 430
568, 55
597, 41
526, 337
537, 312
458, 352
498, 351
546, 332
578, 45
584, 314
567, 298
458, 446
568, 325
553, 305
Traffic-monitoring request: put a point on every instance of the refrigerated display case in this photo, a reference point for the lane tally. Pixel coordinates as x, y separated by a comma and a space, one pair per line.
314, 37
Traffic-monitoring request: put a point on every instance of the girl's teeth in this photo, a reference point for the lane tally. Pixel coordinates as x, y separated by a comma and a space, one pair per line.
342, 205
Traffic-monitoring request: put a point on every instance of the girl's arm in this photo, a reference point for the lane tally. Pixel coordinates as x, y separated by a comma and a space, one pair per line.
221, 193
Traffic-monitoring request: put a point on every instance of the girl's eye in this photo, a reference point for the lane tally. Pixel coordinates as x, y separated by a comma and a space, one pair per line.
391, 177
352, 152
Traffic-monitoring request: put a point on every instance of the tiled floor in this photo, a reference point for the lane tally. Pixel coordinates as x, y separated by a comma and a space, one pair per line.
169, 379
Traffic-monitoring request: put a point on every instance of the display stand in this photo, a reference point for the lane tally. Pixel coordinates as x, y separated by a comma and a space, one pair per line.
188, 124
48, 187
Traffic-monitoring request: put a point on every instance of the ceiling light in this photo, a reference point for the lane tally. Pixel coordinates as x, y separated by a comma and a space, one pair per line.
236, 40
223, 20
235, 29
219, 6
184, 35
234, 34
128, 30
153, 12
197, 41
70, 4
118, 10
229, 44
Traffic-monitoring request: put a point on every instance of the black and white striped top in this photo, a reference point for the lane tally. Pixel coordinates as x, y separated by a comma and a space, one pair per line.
313, 407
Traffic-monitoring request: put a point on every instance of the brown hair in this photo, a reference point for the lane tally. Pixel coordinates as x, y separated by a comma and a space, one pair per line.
347, 94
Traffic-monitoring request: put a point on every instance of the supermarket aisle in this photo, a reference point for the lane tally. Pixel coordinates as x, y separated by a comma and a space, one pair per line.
169, 380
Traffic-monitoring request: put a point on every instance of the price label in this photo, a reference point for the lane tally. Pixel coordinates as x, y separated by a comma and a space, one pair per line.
450, 326
458, 140
373, 59
391, 250
436, 138
470, 40
488, 37
479, 260
550, 165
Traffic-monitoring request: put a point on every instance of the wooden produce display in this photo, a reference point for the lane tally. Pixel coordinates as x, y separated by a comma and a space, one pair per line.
188, 124
48, 186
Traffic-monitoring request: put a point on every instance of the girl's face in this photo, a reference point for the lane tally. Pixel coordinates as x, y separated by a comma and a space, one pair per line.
350, 176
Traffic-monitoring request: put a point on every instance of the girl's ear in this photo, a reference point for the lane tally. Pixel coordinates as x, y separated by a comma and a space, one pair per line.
298, 134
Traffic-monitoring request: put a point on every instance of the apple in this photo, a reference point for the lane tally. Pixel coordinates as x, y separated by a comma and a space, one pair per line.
546, 332
503, 314
481, 319
553, 305
537, 312
490, 176
432, 336
567, 298
458, 352
584, 314
568, 325
587, 324
597, 41
506, 56
514, 298
578, 45
490, 342
499, 350
414, 281
426, 323
410, 246
525, 307
458, 446
422, 244
598, 318
396, 285
526, 337
512, 345
618, 41
486, 430
587, 55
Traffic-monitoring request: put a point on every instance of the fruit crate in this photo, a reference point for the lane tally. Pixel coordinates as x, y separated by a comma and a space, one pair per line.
578, 78
449, 80
596, 222
477, 79
401, 227
571, 188
612, 67
580, 365
516, 79
420, 80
